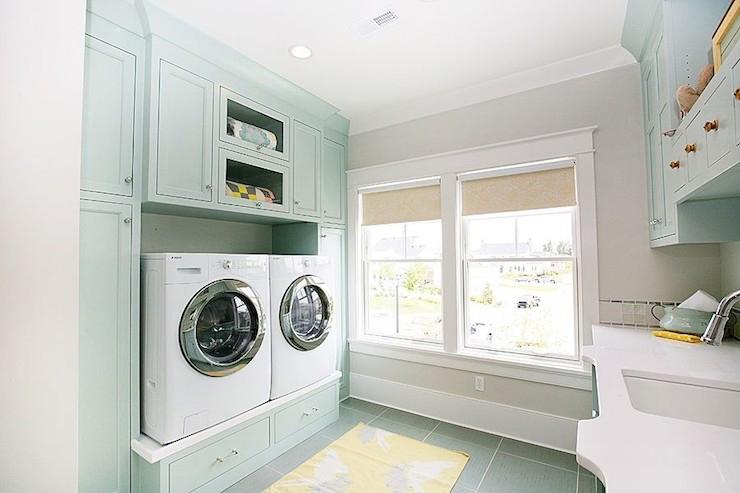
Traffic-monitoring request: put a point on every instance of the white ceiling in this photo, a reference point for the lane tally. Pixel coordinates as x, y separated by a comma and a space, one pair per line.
437, 48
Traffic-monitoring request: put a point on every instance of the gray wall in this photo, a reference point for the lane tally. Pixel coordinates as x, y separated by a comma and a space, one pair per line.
628, 268
162, 233
730, 256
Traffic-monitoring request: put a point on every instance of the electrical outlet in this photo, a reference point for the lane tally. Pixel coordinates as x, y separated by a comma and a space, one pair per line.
480, 383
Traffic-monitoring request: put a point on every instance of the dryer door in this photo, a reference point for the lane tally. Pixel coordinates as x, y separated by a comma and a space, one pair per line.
305, 313
222, 328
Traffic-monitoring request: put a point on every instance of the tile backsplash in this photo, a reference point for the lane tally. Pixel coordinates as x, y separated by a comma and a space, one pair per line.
638, 314
631, 313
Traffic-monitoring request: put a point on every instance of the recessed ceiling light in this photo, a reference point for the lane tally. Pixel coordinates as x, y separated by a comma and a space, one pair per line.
300, 51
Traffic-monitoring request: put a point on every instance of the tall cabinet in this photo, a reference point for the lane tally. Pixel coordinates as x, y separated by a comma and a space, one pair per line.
109, 258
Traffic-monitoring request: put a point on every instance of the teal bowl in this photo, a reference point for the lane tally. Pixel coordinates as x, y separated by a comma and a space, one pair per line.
685, 320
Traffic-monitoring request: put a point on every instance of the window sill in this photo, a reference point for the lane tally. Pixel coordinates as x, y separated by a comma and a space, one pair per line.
571, 374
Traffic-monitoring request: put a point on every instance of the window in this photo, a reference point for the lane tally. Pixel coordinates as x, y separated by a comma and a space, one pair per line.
402, 257
519, 263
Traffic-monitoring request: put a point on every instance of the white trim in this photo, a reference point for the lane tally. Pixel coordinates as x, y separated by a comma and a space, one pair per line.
559, 372
553, 146
402, 185
551, 431
545, 75
518, 169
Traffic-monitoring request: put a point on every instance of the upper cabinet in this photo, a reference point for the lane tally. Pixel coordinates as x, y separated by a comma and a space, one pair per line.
334, 183
184, 151
306, 170
684, 153
108, 119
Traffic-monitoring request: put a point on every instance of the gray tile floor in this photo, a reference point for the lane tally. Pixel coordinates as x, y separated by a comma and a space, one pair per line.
496, 464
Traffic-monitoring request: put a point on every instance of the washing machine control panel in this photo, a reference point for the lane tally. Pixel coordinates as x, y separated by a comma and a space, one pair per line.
237, 264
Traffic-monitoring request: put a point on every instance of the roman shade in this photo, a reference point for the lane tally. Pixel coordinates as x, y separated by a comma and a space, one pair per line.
401, 205
519, 192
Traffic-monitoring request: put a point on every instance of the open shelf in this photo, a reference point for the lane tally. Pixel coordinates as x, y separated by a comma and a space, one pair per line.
252, 126
251, 182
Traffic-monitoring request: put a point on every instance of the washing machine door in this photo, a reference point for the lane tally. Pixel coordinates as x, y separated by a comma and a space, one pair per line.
222, 328
305, 313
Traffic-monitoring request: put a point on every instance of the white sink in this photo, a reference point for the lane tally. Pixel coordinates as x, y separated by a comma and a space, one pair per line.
710, 403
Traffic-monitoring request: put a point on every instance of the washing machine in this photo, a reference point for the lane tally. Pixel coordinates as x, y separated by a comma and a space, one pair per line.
205, 340
304, 348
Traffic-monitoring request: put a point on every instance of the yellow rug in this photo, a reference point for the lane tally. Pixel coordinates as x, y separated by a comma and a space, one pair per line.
371, 460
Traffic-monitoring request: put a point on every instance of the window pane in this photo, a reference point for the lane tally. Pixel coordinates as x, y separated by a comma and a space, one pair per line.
545, 235
404, 299
385, 241
521, 307
491, 237
424, 240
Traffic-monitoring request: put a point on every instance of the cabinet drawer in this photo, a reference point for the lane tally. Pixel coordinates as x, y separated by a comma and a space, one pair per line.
677, 171
304, 412
696, 158
717, 123
209, 462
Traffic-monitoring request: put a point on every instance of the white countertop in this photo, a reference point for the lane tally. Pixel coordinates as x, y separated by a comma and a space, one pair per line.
632, 451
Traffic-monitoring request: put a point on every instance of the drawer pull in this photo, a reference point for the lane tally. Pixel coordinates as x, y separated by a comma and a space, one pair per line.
737, 93
227, 456
309, 413
690, 148
675, 164
655, 222
709, 126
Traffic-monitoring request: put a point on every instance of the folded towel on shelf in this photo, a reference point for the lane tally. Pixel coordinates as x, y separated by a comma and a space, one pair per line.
249, 192
250, 133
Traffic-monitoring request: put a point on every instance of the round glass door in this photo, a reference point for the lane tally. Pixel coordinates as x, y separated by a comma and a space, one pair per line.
305, 313
222, 328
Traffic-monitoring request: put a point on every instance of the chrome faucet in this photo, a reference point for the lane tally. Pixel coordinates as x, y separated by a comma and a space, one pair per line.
716, 328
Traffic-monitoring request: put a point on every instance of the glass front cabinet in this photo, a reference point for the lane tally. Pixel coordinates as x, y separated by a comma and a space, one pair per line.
250, 182
248, 124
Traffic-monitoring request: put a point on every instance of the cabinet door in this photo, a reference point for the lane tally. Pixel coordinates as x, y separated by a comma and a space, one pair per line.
717, 122
696, 139
185, 134
657, 202
105, 347
333, 180
333, 244
306, 159
107, 119
669, 217
678, 174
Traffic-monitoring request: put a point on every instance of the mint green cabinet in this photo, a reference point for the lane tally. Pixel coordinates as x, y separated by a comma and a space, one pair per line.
334, 182
108, 119
333, 243
105, 347
185, 134
306, 160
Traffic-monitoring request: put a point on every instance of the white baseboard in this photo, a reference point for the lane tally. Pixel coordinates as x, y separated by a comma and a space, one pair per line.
550, 431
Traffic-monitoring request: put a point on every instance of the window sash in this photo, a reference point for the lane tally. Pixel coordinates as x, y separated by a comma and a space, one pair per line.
366, 302
465, 277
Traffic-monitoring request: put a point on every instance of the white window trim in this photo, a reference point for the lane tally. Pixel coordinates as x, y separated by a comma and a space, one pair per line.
574, 144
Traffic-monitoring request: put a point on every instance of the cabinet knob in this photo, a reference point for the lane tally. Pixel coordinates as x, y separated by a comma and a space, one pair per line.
128, 179
690, 148
323, 236
655, 221
127, 220
208, 187
326, 212
709, 126
675, 164
259, 204
297, 202
737, 93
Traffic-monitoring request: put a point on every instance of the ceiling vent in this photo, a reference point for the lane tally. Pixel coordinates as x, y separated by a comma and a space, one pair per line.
379, 21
